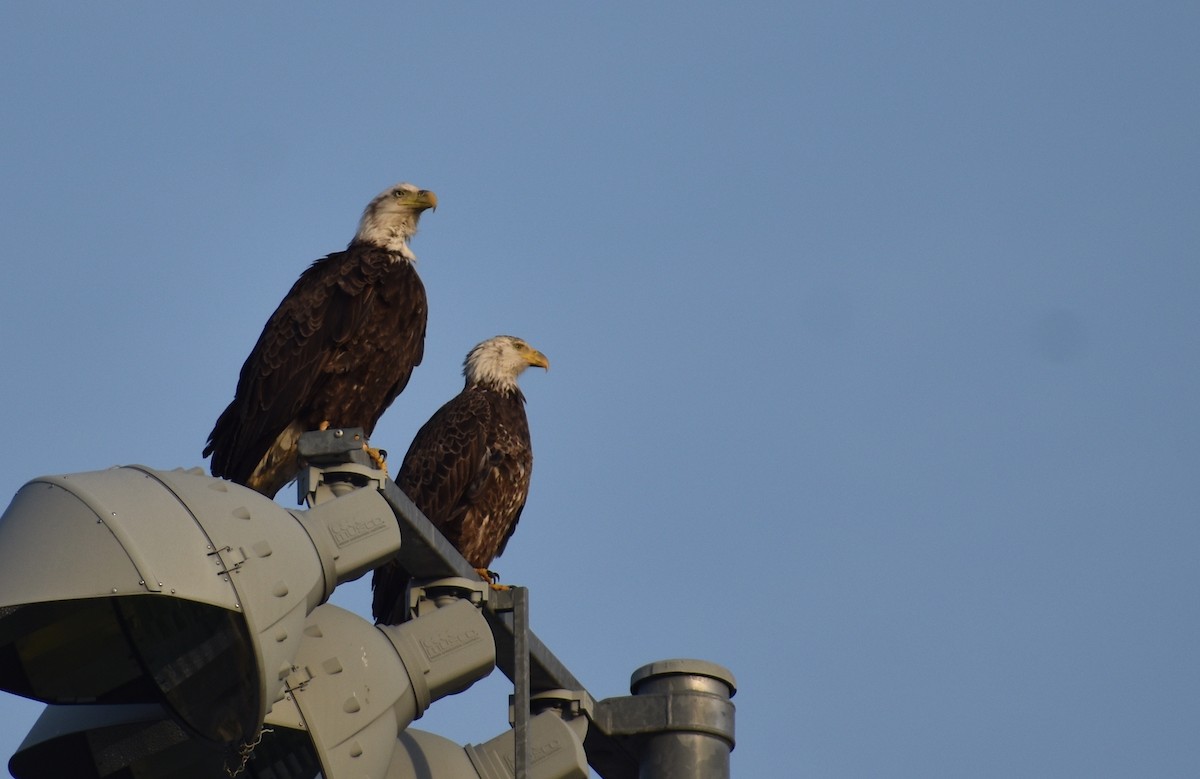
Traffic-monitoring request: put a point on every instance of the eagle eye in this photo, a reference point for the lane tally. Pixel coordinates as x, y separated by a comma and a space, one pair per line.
398, 193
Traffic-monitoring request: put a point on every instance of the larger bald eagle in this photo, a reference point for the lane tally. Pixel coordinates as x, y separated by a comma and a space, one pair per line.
468, 467
337, 351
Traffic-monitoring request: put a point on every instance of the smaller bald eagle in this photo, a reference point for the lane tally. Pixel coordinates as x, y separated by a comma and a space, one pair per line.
337, 351
468, 467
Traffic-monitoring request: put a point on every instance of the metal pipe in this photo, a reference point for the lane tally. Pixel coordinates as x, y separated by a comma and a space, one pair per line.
694, 737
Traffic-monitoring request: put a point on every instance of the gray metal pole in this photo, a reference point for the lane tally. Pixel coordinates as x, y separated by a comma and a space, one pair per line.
521, 682
696, 732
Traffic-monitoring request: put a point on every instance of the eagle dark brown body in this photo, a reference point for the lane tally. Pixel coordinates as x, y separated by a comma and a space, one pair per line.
468, 471
337, 351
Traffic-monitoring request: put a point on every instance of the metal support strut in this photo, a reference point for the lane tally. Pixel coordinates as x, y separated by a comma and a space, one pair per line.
521, 682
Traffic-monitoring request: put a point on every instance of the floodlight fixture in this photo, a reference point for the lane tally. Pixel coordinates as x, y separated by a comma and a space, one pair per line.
137, 586
142, 742
357, 686
554, 745
352, 691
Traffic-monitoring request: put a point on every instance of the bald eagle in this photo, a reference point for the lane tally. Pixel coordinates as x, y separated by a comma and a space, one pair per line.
468, 467
337, 351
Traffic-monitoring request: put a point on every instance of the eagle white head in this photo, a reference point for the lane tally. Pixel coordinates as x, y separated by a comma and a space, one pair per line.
497, 362
391, 218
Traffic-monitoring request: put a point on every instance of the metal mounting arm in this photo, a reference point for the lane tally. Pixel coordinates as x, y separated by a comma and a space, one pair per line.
680, 717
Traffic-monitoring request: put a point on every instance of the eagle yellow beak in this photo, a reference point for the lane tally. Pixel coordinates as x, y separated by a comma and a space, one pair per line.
423, 199
537, 359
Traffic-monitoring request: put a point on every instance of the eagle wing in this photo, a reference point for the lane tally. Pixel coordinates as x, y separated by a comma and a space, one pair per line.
445, 466
315, 335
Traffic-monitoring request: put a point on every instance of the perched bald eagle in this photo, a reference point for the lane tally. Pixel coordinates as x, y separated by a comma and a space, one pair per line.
337, 351
468, 467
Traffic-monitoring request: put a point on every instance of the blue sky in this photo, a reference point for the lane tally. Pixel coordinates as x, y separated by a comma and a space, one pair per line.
873, 329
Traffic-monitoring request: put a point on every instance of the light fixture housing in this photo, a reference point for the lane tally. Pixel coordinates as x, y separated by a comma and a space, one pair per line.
352, 691
138, 586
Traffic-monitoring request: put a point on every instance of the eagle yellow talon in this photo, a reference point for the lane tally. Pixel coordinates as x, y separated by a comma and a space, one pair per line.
378, 457
491, 578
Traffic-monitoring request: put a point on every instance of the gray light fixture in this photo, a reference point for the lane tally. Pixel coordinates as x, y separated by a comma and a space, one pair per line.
352, 691
132, 585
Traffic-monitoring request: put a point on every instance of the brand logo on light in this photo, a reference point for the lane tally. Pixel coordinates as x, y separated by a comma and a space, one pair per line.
448, 642
356, 529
